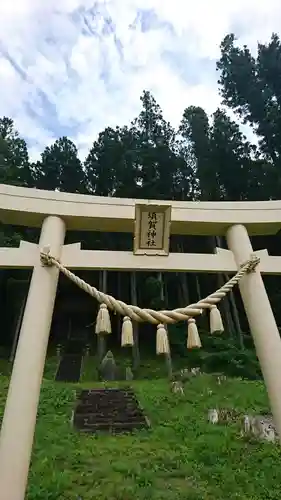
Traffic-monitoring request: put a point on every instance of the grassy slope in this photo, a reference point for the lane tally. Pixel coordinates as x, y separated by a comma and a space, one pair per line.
181, 457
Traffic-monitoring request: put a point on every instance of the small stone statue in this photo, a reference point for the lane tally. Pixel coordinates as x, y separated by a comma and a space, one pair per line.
177, 387
261, 427
213, 416
129, 374
221, 379
108, 368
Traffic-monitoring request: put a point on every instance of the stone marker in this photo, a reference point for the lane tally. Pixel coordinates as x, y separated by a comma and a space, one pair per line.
177, 387
129, 374
260, 427
108, 368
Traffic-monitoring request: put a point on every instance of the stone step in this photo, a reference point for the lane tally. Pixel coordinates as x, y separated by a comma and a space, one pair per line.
111, 410
88, 393
104, 404
113, 428
94, 418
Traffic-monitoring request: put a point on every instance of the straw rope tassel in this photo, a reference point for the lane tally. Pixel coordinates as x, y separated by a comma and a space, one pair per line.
127, 338
103, 325
162, 341
216, 324
193, 339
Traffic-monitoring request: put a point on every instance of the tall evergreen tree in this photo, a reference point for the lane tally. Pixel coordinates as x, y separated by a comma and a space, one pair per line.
251, 87
230, 157
60, 168
14, 160
195, 130
110, 166
155, 149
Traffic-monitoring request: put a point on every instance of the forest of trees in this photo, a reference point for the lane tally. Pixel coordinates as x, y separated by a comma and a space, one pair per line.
207, 158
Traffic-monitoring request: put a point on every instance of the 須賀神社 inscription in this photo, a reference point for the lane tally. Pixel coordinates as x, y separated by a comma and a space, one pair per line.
152, 229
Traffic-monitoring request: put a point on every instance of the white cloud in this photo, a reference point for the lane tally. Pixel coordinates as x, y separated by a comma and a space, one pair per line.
65, 70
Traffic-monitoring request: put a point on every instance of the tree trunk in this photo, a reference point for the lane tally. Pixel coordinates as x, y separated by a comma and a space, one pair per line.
135, 349
236, 317
198, 288
169, 365
18, 325
203, 321
160, 279
184, 285
168, 360
101, 340
225, 306
226, 310
119, 296
233, 321
164, 300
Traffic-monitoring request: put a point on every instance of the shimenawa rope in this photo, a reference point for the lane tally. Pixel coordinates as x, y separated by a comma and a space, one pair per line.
138, 314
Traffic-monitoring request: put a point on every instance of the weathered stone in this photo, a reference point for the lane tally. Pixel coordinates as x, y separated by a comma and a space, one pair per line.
213, 416
260, 427
177, 387
108, 368
221, 379
129, 374
223, 415
195, 371
59, 350
186, 373
87, 350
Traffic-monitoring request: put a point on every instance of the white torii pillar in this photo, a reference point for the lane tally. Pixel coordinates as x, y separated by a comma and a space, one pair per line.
19, 419
261, 319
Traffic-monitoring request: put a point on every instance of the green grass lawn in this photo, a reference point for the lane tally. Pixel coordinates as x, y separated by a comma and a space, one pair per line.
180, 457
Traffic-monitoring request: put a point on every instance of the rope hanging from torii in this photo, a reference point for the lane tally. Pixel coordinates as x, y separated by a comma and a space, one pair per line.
161, 318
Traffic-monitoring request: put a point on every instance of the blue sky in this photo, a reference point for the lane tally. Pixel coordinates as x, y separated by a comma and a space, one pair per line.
70, 67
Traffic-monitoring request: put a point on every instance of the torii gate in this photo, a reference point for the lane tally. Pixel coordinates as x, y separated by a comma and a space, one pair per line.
57, 212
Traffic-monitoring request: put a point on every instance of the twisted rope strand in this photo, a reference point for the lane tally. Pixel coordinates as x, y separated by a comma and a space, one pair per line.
141, 315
